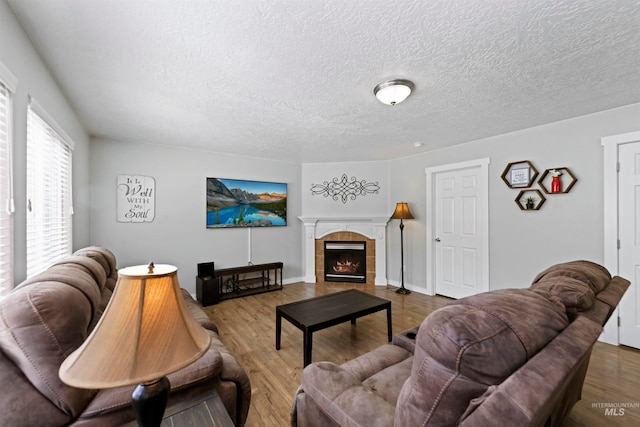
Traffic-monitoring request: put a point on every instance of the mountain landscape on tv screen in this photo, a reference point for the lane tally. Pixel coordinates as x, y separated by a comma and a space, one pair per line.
240, 203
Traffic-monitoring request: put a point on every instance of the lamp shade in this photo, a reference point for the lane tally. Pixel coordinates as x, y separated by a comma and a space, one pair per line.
402, 211
145, 333
393, 92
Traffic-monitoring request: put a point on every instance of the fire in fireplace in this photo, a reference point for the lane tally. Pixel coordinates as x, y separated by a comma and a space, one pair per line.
345, 261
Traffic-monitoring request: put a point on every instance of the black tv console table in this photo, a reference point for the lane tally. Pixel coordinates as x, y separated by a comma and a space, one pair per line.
235, 282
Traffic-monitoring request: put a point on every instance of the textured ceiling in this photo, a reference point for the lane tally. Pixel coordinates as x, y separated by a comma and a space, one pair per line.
293, 80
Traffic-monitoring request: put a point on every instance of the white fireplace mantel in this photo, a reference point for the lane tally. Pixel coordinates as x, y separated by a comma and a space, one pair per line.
318, 227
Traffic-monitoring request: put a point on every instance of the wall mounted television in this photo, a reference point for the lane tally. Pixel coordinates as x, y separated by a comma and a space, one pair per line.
237, 203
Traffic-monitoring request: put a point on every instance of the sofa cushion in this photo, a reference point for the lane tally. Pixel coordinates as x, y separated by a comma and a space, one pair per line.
597, 313
460, 351
42, 323
574, 294
371, 383
89, 265
97, 271
594, 275
106, 258
344, 398
21, 405
388, 382
67, 276
383, 370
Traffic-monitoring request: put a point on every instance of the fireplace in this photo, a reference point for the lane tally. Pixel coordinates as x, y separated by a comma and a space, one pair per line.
345, 261
317, 228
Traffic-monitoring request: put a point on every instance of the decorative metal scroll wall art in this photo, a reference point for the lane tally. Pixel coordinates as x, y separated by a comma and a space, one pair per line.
344, 188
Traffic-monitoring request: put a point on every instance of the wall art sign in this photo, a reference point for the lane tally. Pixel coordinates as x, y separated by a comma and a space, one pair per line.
136, 198
519, 176
344, 188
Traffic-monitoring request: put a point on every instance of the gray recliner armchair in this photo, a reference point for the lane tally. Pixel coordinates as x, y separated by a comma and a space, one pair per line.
506, 357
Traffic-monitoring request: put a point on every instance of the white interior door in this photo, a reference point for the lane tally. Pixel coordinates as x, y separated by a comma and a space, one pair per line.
459, 231
629, 235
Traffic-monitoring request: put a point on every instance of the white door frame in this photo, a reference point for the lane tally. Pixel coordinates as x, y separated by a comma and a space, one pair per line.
611, 146
430, 223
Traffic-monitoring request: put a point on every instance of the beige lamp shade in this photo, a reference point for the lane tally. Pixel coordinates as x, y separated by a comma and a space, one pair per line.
402, 211
145, 333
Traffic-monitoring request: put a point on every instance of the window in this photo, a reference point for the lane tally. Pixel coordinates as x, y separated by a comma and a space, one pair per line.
49, 198
6, 203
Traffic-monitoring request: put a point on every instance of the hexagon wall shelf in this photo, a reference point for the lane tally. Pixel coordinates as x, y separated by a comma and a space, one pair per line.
536, 195
519, 174
545, 180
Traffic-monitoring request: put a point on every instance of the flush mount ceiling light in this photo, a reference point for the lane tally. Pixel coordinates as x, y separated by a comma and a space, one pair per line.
393, 92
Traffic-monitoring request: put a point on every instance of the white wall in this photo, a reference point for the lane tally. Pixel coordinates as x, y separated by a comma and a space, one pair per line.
522, 243
178, 234
21, 59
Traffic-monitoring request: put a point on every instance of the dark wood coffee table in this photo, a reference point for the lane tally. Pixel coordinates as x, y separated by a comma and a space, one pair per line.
321, 312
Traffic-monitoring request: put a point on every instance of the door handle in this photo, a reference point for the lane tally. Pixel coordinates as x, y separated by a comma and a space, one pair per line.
438, 239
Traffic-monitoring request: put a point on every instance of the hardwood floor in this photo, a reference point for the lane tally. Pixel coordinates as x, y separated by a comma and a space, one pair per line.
247, 327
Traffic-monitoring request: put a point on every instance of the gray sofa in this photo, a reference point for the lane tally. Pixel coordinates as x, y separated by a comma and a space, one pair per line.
48, 316
508, 357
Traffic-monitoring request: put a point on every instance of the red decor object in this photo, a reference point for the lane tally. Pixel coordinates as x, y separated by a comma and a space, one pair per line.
555, 184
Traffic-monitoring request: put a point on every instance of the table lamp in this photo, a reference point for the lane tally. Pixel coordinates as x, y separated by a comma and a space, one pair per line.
402, 212
145, 333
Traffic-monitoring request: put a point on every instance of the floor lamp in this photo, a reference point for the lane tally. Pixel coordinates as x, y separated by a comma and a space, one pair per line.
402, 212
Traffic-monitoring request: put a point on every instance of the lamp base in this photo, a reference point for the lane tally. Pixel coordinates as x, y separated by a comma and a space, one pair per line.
403, 291
149, 402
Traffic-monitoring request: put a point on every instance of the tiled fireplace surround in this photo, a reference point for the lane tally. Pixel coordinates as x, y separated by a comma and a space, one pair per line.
371, 230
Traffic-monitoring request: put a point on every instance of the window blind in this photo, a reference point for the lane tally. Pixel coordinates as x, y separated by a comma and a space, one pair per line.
6, 202
49, 209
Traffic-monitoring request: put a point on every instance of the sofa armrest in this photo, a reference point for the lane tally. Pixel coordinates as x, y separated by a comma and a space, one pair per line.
371, 363
343, 397
612, 294
406, 339
231, 369
545, 388
233, 372
197, 312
